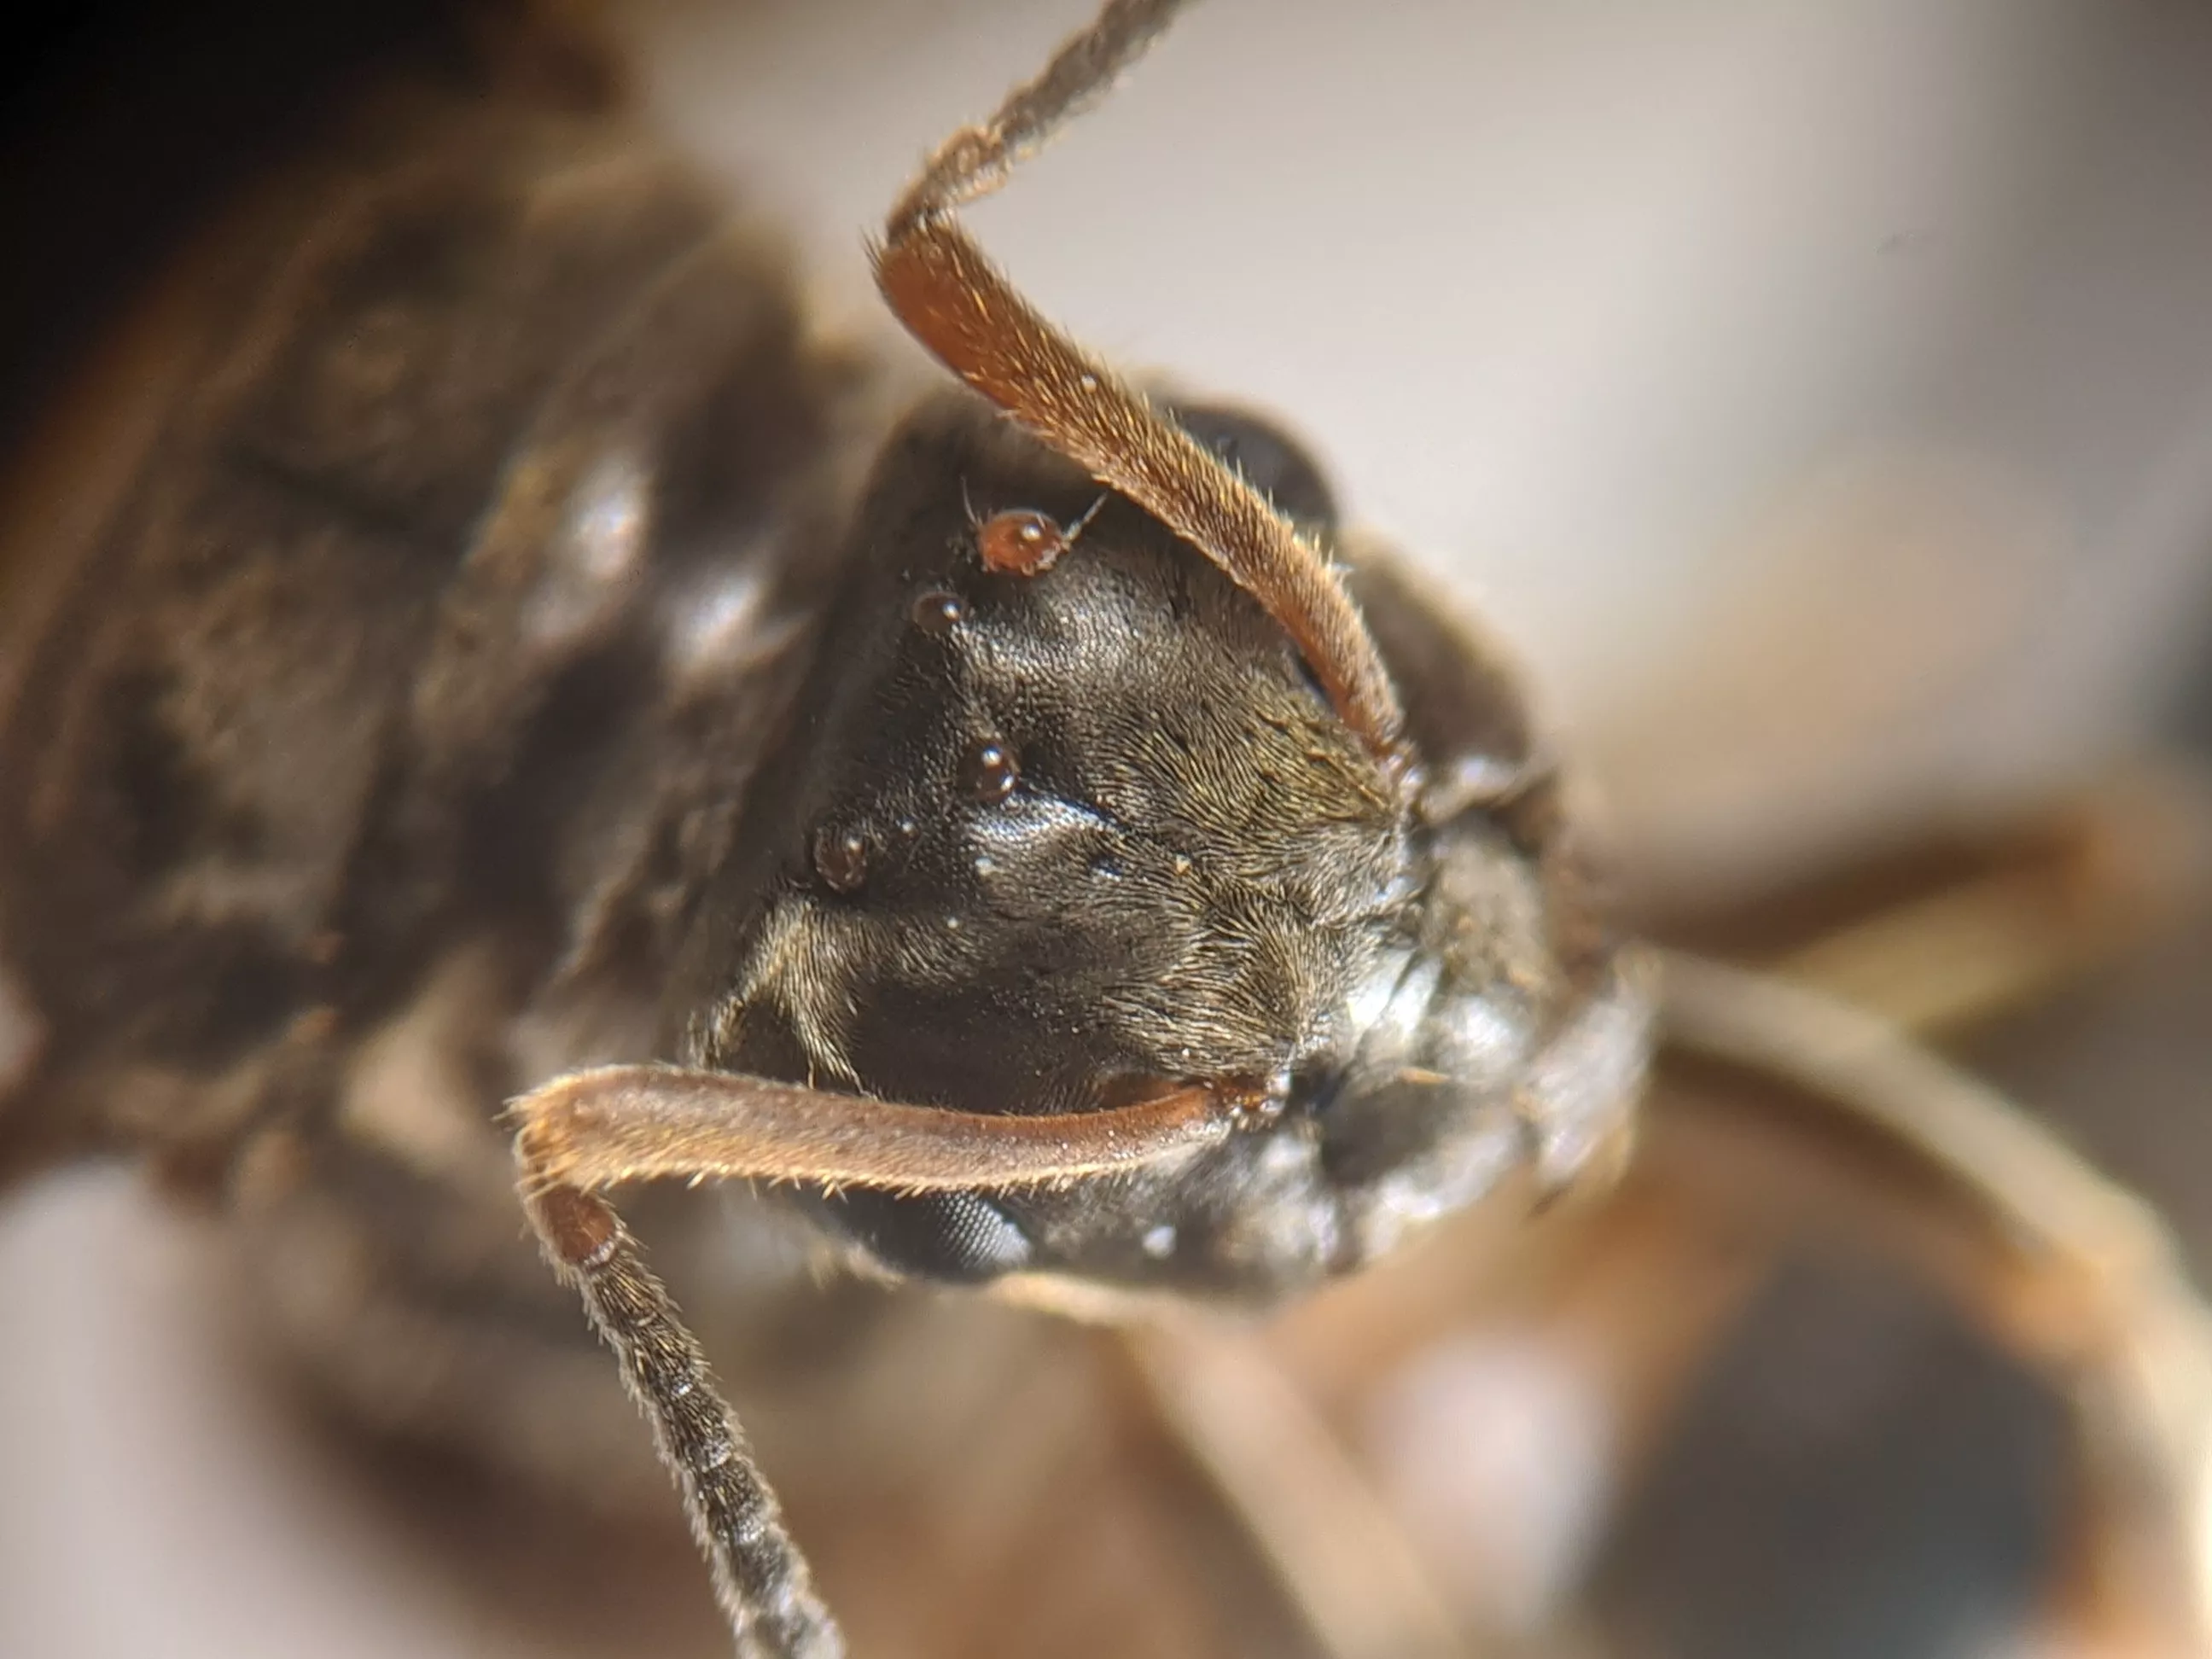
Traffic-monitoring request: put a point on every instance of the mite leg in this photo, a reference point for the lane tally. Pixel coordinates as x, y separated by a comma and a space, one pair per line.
624, 1122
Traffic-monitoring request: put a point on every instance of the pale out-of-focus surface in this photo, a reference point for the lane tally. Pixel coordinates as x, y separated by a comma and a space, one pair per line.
1819, 396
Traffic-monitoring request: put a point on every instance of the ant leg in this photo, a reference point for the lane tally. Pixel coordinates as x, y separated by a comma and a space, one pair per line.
1338, 1553
951, 298
2109, 1315
1876, 1077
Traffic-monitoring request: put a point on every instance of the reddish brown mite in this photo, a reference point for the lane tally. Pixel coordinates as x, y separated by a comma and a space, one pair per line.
1022, 541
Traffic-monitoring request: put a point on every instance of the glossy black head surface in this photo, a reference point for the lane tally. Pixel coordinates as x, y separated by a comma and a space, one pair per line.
1038, 843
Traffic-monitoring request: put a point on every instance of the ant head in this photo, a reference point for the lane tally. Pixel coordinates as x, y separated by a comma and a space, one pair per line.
1040, 842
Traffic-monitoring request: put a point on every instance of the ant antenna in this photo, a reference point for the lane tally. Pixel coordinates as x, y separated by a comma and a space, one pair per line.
952, 299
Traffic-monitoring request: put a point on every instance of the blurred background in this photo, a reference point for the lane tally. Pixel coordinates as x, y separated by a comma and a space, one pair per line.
1818, 398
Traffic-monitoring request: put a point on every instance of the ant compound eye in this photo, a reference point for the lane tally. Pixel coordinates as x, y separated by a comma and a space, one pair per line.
988, 772
1266, 457
1020, 544
937, 611
841, 857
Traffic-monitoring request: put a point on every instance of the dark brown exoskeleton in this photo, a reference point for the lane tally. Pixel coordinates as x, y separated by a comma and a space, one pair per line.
1080, 867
